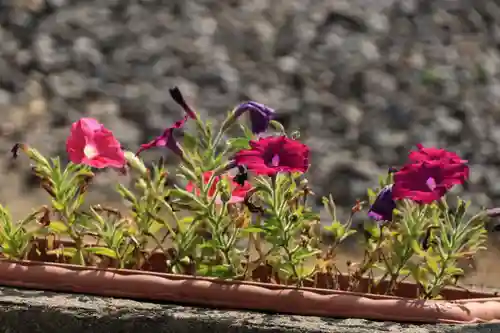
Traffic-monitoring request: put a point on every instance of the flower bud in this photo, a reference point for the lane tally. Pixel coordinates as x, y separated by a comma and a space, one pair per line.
260, 116
177, 96
186, 260
224, 190
136, 163
295, 135
278, 126
32, 153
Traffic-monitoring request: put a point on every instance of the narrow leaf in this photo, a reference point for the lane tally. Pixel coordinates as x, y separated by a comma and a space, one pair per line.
102, 251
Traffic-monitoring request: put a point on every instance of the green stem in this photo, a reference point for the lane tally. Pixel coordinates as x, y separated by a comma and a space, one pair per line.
436, 283
217, 139
394, 276
284, 229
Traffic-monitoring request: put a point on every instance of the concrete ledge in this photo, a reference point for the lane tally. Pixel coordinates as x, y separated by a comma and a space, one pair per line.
31, 311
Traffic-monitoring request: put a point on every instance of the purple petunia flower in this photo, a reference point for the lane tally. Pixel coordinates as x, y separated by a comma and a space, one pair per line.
382, 208
260, 115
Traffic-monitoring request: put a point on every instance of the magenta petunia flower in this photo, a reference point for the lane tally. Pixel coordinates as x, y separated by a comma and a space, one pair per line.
271, 155
434, 154
427, 181
92, 144
382, 208
166, 139
260, 115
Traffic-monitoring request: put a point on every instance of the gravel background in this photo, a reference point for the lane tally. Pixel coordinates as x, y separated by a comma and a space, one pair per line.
363, 80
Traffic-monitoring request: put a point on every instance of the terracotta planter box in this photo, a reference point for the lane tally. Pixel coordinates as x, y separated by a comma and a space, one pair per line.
461, 306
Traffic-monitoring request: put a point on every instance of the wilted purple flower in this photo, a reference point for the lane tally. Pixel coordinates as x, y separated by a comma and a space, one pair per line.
166, 139
176, 95
382, 208
260, 115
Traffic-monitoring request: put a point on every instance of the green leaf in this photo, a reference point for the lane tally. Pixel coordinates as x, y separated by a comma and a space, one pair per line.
189, 142
373, 229
310, 216
126, 193
209, 244
372, 195
306, 271
433, 265
348, 233
417, 248
155, 227
185, 221
253, 230
102, 251
57, 205
238, 143
66, 252
279, 127
58, 227
304, 253
220, 271
454, 271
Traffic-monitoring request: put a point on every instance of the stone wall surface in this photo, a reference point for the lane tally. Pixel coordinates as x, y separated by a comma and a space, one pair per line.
34, 311
363, 80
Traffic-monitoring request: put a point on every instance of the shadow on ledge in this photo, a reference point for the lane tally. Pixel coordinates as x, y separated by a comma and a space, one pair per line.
33, 311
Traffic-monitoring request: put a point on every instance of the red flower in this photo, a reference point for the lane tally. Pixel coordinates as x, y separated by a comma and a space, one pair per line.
92, 144
427, 181
166, 139
271, 155
237, 194
434, 154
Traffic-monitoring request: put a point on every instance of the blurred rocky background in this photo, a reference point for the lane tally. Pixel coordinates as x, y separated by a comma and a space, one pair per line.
363, 80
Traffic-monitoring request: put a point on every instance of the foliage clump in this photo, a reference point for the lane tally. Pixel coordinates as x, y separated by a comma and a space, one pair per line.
244, 209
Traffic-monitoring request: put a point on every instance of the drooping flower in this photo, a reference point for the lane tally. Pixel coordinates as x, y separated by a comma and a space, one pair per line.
270, 155
176, 95
382, 208
260, 115
92, 144
427, 181
238, 191
166, 139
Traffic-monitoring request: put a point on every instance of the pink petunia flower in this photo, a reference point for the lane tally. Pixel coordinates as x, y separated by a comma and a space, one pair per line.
92, 144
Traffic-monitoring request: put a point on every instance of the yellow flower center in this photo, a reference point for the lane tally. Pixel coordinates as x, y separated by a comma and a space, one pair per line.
90, 151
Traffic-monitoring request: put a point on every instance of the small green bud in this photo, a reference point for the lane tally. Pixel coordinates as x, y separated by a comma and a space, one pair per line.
278, 126
224, 190
295, 135
32, 153
186, 260
136, 163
